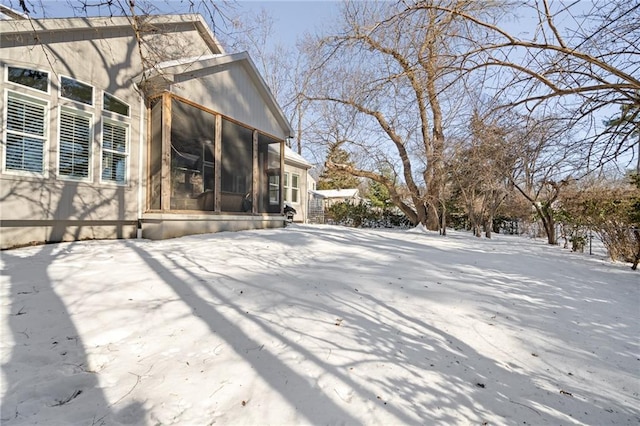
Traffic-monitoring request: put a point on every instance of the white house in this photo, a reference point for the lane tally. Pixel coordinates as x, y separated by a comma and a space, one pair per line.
296, 183
105, 136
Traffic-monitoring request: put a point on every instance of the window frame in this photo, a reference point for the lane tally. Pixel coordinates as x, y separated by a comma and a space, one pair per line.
62, 97
285, 186
6, 79
45, 138
91, 118
126, 154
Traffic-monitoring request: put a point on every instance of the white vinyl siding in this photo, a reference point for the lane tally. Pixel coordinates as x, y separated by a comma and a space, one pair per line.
75, 145
26, 134
115, 151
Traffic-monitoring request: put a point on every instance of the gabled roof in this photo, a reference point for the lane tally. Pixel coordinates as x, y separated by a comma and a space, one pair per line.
20, 26
293, 157
7, 13
186, 66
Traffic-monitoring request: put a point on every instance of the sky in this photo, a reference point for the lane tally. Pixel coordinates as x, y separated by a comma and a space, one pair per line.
292, 17
318, 324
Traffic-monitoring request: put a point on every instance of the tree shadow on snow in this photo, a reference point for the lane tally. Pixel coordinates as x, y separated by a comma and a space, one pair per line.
47, 376
308, 401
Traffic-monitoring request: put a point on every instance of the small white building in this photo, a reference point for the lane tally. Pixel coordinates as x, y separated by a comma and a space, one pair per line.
333, 196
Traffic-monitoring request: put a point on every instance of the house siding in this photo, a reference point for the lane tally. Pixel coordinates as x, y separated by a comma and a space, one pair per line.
53, 208
230, 90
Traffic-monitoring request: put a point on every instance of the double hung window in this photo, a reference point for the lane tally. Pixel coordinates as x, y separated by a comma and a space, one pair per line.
74, 144
26, 134
292, 187
115, 152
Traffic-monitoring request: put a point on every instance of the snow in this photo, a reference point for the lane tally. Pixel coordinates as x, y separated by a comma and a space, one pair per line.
318, 325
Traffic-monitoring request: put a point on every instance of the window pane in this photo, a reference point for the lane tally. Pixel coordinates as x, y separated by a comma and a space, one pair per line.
25, 117
114, 167
31, 78
110, 103
24, 153
76, 91
74, 145
114, 137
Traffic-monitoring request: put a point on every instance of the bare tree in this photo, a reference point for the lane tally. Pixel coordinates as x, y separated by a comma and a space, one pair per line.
583, 71
546, 161
394, 67
480, 168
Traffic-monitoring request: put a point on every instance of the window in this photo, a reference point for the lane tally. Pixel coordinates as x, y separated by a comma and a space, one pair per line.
38, 80
113, 104
75, 144
114, 152
76, 91
295, 187
286, 186
25, 134
291, 187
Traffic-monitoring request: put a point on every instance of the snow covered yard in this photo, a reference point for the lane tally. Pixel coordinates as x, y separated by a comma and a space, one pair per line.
318, 325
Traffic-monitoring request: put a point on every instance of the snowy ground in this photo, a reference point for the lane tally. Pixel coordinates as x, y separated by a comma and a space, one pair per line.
318, 325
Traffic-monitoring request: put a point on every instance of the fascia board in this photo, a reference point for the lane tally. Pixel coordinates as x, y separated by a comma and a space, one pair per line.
8, 27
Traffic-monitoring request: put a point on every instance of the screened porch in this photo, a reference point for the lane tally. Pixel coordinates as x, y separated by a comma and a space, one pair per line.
203, 162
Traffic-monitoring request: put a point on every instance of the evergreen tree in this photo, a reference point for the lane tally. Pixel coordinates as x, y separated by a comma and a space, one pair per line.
378, 193
336, 179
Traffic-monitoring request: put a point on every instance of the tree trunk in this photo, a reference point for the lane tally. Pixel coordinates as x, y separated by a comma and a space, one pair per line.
488, 227
549, 226
443, 221
636, 233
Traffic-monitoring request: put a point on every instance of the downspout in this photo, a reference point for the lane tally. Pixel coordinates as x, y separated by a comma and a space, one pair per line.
141, 163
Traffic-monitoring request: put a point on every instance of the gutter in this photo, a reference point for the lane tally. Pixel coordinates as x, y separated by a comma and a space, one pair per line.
141, 163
